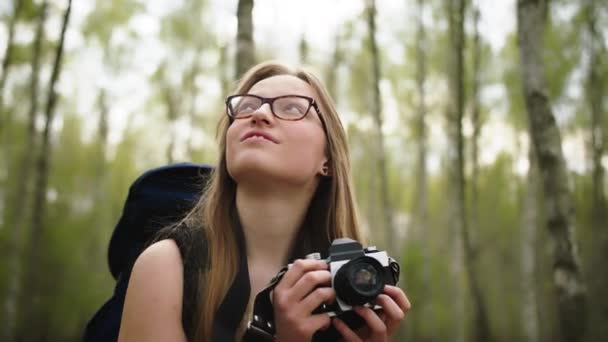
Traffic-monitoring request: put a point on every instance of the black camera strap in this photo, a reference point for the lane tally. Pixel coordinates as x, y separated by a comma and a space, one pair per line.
261, 328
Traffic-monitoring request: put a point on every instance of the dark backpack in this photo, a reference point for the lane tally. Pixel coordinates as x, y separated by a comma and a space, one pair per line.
157, 198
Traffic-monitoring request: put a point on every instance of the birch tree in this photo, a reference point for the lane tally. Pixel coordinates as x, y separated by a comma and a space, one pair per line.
596, 80
455, 111
546, 139
380, 151
530, 212
421, 199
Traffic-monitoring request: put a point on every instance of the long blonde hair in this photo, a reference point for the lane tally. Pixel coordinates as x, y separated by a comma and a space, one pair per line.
332, 212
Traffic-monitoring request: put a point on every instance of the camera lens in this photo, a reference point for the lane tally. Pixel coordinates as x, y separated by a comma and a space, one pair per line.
359, 281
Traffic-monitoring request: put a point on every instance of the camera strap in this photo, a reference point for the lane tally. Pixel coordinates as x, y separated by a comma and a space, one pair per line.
261, 328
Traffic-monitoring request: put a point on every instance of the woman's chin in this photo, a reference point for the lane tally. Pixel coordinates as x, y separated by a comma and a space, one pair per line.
264, 174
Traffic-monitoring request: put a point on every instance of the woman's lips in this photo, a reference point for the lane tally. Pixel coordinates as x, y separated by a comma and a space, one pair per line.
261, 134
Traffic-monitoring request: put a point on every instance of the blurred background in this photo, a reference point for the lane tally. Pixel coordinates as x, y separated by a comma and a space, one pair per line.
498, 221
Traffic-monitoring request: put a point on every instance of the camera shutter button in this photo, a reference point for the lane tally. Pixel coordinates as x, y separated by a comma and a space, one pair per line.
314, 256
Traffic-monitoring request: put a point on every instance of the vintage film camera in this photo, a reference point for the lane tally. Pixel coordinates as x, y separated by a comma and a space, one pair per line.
358, 275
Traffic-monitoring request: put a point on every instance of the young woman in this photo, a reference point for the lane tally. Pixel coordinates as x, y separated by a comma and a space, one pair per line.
281, 190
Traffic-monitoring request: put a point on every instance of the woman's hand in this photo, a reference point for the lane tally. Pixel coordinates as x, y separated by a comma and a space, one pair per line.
304, 287
380, 327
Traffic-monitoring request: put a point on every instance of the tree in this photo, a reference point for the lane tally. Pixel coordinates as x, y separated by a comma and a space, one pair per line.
337, 58
421, 200
304, 50
387, 218
455, 111
8, 51
482, 324
530, 215
17, 213
245, 47
32, 313
595, 93
571, 292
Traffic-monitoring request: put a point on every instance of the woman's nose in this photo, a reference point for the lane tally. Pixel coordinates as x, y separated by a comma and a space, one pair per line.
264, 113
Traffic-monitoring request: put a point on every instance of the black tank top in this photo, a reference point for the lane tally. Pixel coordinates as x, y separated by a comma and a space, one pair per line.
193, 248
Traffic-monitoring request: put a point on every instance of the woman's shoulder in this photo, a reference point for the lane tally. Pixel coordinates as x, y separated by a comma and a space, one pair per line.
162, 252
190, 242
155, 311
160, 264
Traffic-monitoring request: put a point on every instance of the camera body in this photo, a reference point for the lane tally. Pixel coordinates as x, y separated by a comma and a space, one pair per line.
358, 275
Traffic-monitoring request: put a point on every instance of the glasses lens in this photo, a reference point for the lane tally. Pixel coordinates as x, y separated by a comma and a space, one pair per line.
291, 107
244, 105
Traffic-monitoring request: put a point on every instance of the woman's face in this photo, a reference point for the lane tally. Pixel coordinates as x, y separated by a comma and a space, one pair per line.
263, 147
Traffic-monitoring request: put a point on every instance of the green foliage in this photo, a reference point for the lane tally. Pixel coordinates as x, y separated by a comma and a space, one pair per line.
108, 16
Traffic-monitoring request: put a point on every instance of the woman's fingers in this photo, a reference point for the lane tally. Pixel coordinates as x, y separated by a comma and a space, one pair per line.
347, 333
298, 269
308, 282
297, 295
376, 325
399, 297
318, 322
392, 314
317, 297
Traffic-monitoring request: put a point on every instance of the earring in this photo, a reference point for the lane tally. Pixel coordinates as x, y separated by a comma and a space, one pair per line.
325, 170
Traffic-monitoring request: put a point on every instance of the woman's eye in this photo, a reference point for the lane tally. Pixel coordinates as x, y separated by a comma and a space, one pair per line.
294, 108
246, 107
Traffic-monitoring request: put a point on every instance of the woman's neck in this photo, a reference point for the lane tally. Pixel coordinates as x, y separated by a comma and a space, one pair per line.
270, 221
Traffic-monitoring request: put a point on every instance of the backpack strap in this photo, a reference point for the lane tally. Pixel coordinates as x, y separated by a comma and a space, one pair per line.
193, 249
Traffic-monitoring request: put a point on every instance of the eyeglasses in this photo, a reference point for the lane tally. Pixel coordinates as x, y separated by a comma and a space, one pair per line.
286, 107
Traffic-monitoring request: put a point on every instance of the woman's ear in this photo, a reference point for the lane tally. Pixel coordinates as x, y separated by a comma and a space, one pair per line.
325, 169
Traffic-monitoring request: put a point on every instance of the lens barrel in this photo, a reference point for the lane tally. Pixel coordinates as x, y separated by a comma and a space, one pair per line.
359, 281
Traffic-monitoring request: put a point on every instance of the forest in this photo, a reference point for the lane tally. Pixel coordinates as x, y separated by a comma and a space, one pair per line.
477, 131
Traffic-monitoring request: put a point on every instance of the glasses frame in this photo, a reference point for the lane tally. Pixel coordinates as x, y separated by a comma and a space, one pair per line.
270, 100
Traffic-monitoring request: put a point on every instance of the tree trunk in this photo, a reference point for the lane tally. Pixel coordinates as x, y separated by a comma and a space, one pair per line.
421, 205
387, 219
304, 50
481, 321
100, 193
245, 47
171, 117
332, 71
225, 78
598, 283
33, 314
476, 120
570, 288
18, 215
6, 62
193, 94
595, 93
528, 251
455, 108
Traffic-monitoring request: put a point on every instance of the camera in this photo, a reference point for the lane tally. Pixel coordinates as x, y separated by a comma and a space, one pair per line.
358, 275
